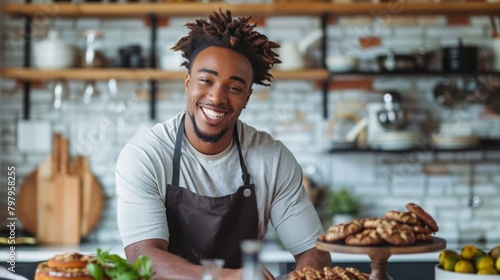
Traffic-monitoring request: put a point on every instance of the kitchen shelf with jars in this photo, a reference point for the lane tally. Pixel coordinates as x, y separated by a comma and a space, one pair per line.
156, 10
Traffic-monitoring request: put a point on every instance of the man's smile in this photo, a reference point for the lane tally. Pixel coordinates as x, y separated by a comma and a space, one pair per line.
211, 114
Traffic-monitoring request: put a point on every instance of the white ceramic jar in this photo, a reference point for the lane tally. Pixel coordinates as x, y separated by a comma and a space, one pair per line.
53, 53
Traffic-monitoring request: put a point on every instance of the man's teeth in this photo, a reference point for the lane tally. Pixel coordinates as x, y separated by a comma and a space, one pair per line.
212, 114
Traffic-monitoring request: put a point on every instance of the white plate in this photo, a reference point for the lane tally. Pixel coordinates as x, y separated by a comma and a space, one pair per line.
441, 274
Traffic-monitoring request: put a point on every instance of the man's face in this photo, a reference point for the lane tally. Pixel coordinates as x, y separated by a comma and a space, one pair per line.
218, 88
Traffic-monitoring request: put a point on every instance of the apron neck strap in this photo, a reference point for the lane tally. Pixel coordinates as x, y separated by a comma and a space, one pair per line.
177, 153
245, 176
178, 148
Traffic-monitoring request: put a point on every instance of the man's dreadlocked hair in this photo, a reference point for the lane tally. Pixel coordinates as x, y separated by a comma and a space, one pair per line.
236, 34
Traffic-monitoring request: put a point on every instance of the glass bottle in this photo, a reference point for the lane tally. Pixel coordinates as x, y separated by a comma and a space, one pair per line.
250, 250
92, 56
211, 268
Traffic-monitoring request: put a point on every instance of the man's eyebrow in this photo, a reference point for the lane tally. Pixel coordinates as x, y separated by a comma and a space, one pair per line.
236, 78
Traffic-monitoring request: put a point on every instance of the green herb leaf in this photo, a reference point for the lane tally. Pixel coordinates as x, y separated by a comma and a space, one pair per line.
144, 266
94, 270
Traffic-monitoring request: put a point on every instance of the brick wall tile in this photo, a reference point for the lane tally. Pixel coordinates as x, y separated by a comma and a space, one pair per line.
493, 236
456, 32
408, 191
438, 190
122, 23
88, 23
412, 31
455, 213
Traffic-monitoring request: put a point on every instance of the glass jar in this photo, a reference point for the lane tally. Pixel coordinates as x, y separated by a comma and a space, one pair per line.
92, 56
211, 268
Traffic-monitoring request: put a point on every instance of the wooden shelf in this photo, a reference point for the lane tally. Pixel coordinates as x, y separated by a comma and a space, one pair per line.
105, 10
33, 74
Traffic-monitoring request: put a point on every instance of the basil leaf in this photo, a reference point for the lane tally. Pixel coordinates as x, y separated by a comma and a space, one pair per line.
95, 271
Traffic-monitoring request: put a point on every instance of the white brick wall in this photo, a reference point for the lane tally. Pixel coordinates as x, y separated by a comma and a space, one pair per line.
383, 181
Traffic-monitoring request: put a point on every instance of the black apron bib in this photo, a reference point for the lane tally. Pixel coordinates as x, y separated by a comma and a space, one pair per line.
210, 227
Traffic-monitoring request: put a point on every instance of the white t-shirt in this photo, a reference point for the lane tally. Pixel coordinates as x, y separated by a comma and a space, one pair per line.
144, 169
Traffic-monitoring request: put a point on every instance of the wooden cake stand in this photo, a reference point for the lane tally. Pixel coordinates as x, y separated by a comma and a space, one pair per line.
381, 253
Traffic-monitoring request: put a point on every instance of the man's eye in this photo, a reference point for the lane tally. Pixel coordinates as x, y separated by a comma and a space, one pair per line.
235, 89
205, 80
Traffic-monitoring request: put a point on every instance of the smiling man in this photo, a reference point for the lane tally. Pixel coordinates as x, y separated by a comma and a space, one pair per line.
196, 185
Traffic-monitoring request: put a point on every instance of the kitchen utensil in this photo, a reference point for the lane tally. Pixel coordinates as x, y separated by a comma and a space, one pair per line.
130, 57
392, 117
344, 130
92, 199
92, 195
460, 59
396, 62
292, 53
446, 93
53, 53
58, 198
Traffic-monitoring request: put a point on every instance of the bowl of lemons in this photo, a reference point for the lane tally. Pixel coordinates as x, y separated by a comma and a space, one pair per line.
468, 263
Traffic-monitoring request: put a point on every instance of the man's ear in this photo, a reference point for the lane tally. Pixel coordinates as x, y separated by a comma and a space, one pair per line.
187, 79
248, 98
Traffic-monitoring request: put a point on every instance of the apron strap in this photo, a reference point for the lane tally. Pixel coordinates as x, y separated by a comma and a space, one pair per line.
177, 153
245, 176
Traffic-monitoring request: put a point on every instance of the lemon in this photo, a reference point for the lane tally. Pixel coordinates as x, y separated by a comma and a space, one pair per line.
450, 261
468, 252
497, 264
444, 254
484, 262
464, 266
488, 270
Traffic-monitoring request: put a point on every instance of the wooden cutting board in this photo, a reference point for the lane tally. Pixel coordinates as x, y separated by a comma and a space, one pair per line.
39, 188
58, 198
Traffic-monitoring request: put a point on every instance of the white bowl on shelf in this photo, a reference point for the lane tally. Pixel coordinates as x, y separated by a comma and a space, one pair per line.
395, 140
441, 274
341, 63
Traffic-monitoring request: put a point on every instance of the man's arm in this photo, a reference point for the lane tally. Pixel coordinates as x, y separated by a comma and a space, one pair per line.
314, 258
170, 266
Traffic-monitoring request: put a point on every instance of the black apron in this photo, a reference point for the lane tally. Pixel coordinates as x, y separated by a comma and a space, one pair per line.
210, 227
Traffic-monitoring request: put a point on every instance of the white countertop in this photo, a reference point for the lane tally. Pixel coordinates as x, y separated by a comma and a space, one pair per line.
271, 253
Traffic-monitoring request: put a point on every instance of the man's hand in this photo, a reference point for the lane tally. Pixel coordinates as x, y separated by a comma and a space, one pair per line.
313, 258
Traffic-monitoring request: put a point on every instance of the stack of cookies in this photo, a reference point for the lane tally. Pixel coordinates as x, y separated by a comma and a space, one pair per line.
328, 273
67, 266
395, 228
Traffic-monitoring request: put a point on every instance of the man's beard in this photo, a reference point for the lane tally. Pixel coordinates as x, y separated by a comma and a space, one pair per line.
204, 137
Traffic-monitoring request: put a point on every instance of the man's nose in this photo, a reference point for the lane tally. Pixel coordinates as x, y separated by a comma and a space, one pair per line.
218, 95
